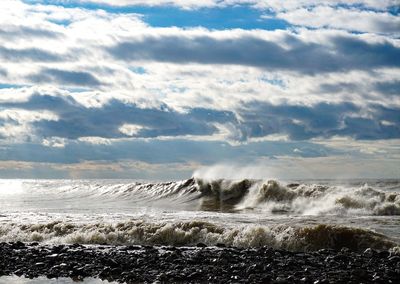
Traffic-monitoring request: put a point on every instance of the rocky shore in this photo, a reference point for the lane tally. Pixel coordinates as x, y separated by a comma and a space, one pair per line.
200, 264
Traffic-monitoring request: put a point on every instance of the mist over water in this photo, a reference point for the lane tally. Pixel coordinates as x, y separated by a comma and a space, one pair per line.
217, 205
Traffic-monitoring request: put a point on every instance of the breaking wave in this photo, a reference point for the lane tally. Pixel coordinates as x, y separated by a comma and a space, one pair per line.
268, 197
294, 198
190, 233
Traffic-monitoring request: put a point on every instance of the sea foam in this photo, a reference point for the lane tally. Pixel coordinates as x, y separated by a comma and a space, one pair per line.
190, 233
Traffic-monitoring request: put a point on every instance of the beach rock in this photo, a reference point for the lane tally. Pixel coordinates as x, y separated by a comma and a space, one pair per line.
369, 252
17, 245
136, 264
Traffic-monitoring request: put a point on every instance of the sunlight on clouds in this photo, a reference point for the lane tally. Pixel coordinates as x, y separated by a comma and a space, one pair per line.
96, 140
54, 142
382, 148
93, 79
24, 116
17, 123
346, 19
130, 129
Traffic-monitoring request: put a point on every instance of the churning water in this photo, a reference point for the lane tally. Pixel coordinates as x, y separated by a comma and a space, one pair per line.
301, 215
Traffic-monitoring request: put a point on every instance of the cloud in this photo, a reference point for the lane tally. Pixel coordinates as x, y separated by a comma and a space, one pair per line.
343, 18
28, 54
340, 52
16, 124
3, 72
369, 89
64, 77
89, 82
321, 120
391, 87
18, 32
75, 120
117, 119
276, 5
159, 151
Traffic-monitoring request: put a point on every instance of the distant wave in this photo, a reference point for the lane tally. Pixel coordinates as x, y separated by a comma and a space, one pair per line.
269, 197
190, 233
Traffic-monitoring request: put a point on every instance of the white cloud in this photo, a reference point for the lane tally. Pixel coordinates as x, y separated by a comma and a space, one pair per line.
17, 123
277, 5
346, 19
55, 142
130, 129
23, 116
186, 4
178, 85
96, 140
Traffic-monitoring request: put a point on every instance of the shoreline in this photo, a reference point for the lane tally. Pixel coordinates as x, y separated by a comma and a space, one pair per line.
199, 264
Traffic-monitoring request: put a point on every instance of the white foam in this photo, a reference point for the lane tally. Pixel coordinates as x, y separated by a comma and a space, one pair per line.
192, 232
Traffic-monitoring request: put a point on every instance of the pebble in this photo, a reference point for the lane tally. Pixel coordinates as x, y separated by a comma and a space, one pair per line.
199, 264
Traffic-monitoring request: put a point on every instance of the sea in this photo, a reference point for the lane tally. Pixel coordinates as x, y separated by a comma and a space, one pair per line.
297, 215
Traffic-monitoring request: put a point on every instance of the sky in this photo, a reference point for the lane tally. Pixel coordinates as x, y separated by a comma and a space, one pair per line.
160, 89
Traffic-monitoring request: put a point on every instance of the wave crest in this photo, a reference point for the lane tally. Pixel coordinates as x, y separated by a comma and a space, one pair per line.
270, 197
190, 233
303, 199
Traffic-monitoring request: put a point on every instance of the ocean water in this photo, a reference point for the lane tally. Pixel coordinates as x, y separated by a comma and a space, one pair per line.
295, 215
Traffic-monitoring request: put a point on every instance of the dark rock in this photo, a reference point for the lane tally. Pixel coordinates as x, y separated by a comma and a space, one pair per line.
136, 264
369, 252
345, 250
133, 248
384, 254
19, 272
280, 280
112, 263
17, 245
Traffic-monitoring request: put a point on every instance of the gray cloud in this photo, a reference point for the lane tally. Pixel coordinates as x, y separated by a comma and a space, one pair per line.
322, 120
342, 53
257, 119
76, 121
30, 54
161, 151
27, 32
386, 88
3, 72
76, 78
339, 87
390, 88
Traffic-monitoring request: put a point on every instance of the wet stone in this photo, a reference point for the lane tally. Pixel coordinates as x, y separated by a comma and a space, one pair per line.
137, 264
384, 254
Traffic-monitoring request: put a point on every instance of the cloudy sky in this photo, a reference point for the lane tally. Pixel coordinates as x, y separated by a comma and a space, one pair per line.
157, 89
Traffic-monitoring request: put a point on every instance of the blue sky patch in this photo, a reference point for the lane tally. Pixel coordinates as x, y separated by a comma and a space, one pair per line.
231, 17
11, 86
138, 70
